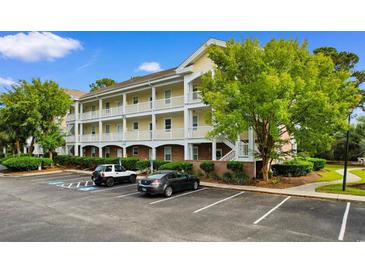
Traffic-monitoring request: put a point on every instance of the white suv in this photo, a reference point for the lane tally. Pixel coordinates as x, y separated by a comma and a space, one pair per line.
110, 174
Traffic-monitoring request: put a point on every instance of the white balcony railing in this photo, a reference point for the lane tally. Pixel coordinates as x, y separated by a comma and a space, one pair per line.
140, 107
199, 132
70, 138
89, 115
89, 138
70, 117
243, 149
108, 112
175, 133
171, 102
195, 97
111, 137
138, 135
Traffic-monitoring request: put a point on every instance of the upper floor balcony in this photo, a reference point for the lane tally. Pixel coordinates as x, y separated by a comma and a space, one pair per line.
199, 132
70, 117
195, 97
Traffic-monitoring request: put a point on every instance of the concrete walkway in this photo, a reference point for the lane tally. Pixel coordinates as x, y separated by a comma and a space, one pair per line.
307, 190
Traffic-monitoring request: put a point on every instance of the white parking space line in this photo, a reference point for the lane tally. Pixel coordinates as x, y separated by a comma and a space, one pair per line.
218, 202
78, 185
344, 222
53, 178
271, 210
111, 188
70, 179
86, 183
177, 196
128, 194
70, 185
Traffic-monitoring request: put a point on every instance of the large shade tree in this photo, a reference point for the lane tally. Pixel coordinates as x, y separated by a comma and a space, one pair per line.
278, 89
101, 83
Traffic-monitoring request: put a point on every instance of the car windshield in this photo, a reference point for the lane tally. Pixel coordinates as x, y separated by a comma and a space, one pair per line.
100, 168
156, 176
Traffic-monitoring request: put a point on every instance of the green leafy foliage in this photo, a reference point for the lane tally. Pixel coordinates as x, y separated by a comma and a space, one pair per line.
235, 166
292, 168
278, 89
207, 166
318, 163
181, 166
146, 164
25, 163
101, 83
92, 162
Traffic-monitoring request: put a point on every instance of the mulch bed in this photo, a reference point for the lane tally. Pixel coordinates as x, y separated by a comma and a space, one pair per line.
358, 186
275, 182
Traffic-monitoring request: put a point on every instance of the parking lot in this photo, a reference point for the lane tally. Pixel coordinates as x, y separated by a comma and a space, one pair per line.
69, 207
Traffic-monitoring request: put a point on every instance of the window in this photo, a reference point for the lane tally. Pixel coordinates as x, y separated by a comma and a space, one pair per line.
167, 154
93, 130
107, 152
119, 168
93, 108
135, 125
151, 102
195, 153
135, 100
195, 92
168, 96
195, 122
150, 130
107, 107
168, 125
171, 176
108, 169
135, 151
107, 128
93, 151
195, 87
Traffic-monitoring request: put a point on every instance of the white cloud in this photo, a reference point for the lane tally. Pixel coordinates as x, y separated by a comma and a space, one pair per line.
36, 46
149, 67
7, 82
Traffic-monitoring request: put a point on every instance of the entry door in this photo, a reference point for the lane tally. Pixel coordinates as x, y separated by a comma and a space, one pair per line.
119, 153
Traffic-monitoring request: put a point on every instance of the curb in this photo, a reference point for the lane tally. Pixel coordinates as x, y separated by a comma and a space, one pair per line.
32, 174
317, 195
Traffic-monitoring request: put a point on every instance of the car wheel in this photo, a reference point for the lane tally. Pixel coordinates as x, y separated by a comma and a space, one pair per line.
168, 191
110, 182
97, 183
196, 185
132, 179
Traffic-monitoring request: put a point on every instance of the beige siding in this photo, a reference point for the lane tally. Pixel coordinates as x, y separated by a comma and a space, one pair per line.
177, 120
202, 116
203, 64
176, 90
143, 123
143, 96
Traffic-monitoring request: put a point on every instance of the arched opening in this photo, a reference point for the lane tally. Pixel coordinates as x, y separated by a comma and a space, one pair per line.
170, 152
112, 151
90, 151
142, 152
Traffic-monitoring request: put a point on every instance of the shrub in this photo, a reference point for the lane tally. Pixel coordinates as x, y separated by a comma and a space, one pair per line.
92, 162
6, 157
146, 164
181, 166
213, 175
293, 168
235, 166
318, 163
198, 173
26, 163
228, 177
240, 178
207, 166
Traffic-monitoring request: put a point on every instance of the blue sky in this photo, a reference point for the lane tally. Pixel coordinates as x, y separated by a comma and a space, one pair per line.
76, 59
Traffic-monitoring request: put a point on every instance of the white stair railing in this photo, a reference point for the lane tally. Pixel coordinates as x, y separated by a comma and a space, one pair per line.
231, 155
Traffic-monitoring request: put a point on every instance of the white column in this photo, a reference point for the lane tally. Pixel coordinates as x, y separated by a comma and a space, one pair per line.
100, 107
153, 98
100, 131
76, 128
81, 151
237, 146
153, 156
124, 128
124, 152
81, 110
124, 102
214, 150
251, 143
4, 150
100, 152
153, 126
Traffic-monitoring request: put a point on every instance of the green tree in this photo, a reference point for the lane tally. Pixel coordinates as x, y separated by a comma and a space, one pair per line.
52, 140
277, 89
101, 83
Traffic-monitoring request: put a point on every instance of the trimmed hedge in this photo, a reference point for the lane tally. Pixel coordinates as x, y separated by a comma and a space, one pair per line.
235, 166
207, 166
92, 162
292, 168
145, 164
25, 163
318, 163
185, 166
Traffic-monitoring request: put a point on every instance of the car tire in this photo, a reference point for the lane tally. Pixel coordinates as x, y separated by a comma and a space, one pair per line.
97, 183
195, 185
110, 182
168, 191
132, 179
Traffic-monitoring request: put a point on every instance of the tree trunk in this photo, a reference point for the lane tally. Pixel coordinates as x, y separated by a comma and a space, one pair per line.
265, 169
17, 145
31, 147
50, 153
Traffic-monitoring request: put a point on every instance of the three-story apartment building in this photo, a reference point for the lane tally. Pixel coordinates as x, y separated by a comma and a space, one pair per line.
157, 116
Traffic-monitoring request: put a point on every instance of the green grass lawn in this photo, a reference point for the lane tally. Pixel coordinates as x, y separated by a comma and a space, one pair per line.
337, 188
329, 173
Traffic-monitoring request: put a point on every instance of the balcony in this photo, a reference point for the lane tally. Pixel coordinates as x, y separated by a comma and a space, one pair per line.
89, 115
70, 117
140, 107
172, 102
176, 133
70, 139
107, 137
195, 97
109, 112
138, 135
199, 132
89, 138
